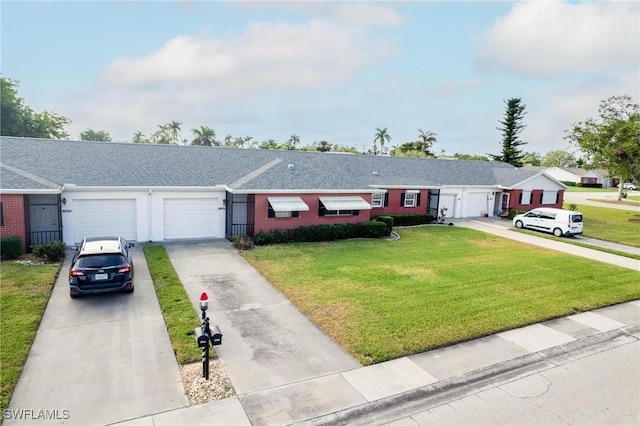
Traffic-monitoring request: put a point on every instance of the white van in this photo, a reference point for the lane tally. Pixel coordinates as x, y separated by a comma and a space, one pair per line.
556, 221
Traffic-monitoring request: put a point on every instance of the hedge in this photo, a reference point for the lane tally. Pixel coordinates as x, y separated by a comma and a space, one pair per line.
411, 219
373, 229
10, 247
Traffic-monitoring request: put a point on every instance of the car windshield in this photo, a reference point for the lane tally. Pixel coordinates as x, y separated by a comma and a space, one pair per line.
101, 261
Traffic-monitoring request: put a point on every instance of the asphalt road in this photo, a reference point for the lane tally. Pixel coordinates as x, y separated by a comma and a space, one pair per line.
591, 199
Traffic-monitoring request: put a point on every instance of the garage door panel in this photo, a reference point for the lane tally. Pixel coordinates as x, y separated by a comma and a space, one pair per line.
477, 204
105, 217
190, 218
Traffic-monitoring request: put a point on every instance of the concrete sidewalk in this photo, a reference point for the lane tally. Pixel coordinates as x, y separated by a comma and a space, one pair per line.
380, 393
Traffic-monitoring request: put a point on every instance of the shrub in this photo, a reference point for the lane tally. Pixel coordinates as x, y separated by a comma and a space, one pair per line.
387, 220
10, 247
373, 229
54, 251
412, 219
569, 183
514, 212
243, 242
573, 207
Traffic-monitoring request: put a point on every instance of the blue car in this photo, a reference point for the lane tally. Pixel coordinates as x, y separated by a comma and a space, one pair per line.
101, 265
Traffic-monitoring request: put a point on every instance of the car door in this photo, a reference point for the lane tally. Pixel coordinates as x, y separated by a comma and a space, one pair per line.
546, 221
530, 219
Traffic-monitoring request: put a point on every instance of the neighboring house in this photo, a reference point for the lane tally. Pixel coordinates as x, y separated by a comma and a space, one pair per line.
68, 190
576, 175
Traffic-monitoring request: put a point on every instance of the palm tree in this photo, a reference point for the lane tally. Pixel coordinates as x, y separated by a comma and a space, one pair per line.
174, 127
138, 137
382, 136
425, 141
204, 136
162, 135
292, 142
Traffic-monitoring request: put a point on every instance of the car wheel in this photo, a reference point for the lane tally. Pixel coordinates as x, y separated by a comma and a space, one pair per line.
519, 224
74, 295
557, 232
130, 290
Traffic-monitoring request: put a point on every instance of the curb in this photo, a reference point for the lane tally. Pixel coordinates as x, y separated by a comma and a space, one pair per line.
408, 403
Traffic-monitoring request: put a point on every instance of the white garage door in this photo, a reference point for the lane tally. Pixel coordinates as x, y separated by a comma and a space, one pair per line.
477, 204
99, 218
191, 218
448, 201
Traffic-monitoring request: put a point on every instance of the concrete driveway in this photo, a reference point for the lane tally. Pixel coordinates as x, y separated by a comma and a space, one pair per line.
267, 341
99, 359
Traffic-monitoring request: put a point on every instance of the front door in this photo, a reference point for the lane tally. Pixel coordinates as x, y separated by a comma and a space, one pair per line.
44, 223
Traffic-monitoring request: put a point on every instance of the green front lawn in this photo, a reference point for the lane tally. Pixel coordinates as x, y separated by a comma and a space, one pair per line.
24, 293
618, 226
586, 189
434, 287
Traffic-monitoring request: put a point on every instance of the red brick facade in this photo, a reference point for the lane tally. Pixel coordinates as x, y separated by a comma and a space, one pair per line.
516, 202
13, 217
263, 223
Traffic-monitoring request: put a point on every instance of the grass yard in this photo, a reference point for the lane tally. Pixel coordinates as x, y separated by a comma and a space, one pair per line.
179, 315
619, 226
586, 189
434, 287
24, 293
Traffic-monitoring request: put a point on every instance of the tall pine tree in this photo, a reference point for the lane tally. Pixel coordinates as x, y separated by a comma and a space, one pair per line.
511, 126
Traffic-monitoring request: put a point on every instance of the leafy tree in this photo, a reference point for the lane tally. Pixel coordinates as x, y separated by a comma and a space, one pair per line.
204, 136
425, 142
470, 157
95, 135
138, 137
291, 143
268, 144
559, 158
511, 126
163, 135
611, 140
382, 136
18, 119
531, 159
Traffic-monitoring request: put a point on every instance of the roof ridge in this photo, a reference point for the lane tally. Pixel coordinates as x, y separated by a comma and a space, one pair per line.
254, 174
30, 176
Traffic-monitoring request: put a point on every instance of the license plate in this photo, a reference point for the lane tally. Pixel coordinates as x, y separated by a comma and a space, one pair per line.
101, 276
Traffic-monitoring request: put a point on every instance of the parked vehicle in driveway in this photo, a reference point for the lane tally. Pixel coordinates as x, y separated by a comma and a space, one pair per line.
558, 222
100, 265
630, 186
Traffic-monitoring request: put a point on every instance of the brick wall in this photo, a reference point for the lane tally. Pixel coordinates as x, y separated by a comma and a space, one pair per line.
13, 217
395, 207
536, 200
263, 223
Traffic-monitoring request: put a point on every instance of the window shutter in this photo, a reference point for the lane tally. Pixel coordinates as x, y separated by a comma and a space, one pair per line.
321, 210
295, 214
541, 196
557, 197
355, 213
520, 198
402, 200
386, 199
272, 212
418, 200
1, 215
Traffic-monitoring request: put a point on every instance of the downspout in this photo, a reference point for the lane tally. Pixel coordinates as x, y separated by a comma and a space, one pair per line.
149, 216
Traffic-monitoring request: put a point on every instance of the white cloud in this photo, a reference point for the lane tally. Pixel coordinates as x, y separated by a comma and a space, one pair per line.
553, 37
450, 88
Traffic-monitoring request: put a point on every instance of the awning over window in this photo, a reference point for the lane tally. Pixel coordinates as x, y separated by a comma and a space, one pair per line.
345, 203
288, 204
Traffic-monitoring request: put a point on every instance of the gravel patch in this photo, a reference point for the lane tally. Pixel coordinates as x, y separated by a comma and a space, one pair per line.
199, 390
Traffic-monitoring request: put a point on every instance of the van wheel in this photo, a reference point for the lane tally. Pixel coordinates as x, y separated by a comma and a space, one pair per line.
557, 232
519, 224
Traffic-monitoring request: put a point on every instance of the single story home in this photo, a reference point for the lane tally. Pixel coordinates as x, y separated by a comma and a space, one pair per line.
577, 175
68, 190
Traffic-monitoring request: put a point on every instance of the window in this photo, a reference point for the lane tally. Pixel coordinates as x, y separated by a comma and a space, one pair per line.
525, 198
272, 213
549, 197
410, 198
280, 207
377, 199
325, 212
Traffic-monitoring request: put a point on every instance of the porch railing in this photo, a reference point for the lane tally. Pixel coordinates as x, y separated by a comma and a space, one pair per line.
41, 237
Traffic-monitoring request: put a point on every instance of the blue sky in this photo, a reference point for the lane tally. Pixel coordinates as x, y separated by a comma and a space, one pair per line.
331, 71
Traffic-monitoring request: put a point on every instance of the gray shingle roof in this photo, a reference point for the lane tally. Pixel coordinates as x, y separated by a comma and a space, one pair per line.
125, 164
